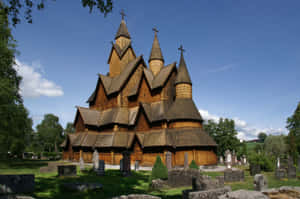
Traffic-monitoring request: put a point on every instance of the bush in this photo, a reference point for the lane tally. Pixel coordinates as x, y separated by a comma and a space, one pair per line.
266, 162
193, 165
159, 170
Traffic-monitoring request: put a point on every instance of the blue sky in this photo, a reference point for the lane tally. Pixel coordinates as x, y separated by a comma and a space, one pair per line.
243, 56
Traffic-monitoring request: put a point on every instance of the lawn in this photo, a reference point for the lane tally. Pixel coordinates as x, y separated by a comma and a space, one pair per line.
48, 185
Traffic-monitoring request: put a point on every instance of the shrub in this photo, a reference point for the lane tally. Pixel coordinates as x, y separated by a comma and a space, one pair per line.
193, 165
266, 162
159, 170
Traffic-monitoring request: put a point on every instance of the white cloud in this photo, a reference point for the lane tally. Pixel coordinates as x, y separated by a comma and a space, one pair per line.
33, 83
245, 131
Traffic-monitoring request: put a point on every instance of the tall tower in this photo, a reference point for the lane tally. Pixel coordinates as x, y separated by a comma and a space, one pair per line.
156, 60
183, 81
121, 53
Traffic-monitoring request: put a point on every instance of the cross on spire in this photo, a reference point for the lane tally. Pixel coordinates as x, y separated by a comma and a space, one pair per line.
155, 30
181, 49
122, 13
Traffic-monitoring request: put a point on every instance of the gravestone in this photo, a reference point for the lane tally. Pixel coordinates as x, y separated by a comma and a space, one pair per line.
81, 164
255, 169
283, 163
186, 160
121, 165
233, 156
101, 168
299, 163
291, 170
233, 175
228, 159
244, 160
95, 160
278, 163
169, 160
221, 160
136, 165
66, 170
260, 182
16, 184
126, 171
280, 173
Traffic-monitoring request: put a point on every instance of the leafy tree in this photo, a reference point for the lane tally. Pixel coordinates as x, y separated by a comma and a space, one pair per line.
224, 134
69, 128
262, 136
275, 145
15, 124
50, 133
293, 125
13, 7
159, 170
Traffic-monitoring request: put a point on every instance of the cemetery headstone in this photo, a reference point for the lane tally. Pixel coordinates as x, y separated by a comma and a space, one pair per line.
136, 165
291, 170
16, 184
66, 170
186, 160
221, 160
126, 164
169, 160
280, 173
244, 160
260, 182
121, 165
278, 163
233, 175
81, 164
101, 169
299, 163
233, 156
228, 159
255, 169
95, 160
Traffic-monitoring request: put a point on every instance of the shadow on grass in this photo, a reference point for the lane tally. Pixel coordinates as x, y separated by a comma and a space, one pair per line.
22, 164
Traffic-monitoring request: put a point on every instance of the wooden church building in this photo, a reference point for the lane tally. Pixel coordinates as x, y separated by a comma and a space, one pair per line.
145, 110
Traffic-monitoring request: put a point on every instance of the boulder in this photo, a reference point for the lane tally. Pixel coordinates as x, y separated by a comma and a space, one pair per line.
77, 186
208, 194
244, 194
136, 196
158, 184
285, 192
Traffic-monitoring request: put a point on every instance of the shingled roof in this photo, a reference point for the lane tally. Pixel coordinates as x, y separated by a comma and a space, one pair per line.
156, 53
120, 52
122, 31
182, 137
183, 109
118, 115
183, 74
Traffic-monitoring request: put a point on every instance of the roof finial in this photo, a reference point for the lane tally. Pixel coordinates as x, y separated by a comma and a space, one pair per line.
122, 13
155, 30
181, 49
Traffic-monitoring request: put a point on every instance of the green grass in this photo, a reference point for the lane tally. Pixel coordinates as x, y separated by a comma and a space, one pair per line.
48, 186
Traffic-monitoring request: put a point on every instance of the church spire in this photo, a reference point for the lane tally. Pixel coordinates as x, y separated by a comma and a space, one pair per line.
156, 59
183, 83
122, 31
183, 74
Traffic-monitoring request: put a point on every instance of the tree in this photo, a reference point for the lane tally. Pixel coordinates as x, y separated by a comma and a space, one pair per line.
262, 136
69, 128
50, 133
15, 124
12, 8
224, 134
275, 145
293, 125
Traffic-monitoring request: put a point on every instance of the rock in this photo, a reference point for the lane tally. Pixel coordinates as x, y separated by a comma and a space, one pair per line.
284, 192
16, 184
233, 175
137, 196
15, 197
158, 184
244, 194
260, 182
208, 194
182, 177
76, 186
206, 183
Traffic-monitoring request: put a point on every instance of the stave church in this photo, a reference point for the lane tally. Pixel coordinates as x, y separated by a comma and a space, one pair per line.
146, 110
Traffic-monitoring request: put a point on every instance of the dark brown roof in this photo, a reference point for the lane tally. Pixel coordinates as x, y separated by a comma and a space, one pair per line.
156, 53
71, 137
183, 109
182, 137
120, 115
183, 74
160, 79
156, 111
122, 31
120, 52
